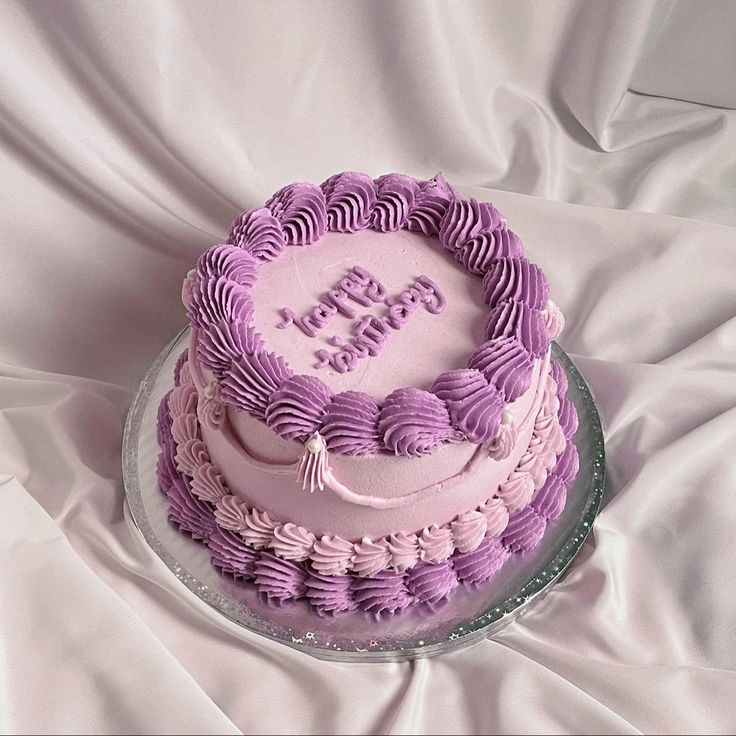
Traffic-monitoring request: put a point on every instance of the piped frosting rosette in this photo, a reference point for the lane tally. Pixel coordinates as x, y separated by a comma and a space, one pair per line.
286, 562
461, 405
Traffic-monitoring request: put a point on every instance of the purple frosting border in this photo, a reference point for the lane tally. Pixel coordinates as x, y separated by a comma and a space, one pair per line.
388, 592
410, 421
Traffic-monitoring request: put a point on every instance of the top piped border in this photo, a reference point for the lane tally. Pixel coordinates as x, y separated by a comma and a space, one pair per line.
465, 404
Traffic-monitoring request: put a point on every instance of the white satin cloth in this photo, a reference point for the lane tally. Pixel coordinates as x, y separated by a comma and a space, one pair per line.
131, 133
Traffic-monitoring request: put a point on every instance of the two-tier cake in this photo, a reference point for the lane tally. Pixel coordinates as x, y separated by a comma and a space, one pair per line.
368, 414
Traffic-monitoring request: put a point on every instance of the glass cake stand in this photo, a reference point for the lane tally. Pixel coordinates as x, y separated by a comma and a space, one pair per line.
470, 614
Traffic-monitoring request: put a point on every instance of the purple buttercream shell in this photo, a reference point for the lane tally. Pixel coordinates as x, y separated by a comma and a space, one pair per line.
568, 463
431, 583
480, 252
524, 531
350, 198
550, 499
300, 208
229, 261
430, 204
558, 373
279, 580
231, 554
395, 200
515, 278
166, 470
297, 407
473, 568
508, 243
258, 233
466, 219
188, 512
510, 318
251, 381
475, 406
414, 422
350, 425
183, 357
506, 364
385, 592
163, 420
217, 299
568, 417
330, 594
221, 343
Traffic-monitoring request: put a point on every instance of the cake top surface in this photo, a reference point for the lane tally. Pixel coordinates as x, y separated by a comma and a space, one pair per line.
409, 310
427, 344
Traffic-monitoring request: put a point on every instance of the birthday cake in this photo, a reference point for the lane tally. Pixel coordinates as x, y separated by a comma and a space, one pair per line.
368, 414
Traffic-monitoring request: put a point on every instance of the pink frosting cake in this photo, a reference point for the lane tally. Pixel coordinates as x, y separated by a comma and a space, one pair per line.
368, 413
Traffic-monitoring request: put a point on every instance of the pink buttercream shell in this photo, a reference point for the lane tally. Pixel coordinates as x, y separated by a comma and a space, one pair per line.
468, 530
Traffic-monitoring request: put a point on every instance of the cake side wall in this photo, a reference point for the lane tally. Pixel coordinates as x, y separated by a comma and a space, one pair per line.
259, 468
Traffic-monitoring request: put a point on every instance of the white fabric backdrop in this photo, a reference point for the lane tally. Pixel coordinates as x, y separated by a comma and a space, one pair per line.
131, 133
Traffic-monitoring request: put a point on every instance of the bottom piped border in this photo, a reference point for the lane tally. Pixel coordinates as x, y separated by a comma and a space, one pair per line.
388, 592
